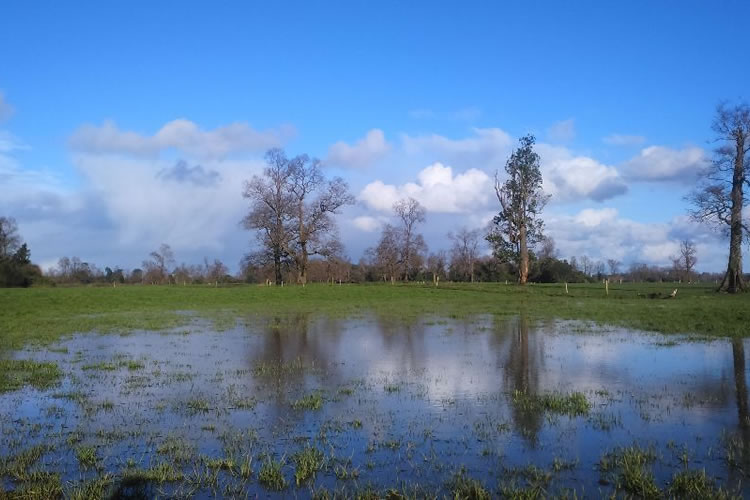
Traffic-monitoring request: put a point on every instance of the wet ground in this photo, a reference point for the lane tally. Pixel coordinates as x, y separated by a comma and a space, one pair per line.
304, 405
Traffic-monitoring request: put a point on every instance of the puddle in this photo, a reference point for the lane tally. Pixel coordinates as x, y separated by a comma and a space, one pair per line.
387, 404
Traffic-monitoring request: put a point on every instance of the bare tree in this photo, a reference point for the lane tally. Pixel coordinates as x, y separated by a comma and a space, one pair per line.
521, 198
215, 271
157, 268
586, 265
411, 213
313, 201
547, 249
687, 258
436, 263
614, 266
10, 241
464, 251
386, 256
720, 199
270, 207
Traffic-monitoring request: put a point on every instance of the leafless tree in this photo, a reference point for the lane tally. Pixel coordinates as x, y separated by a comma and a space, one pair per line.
270, 208
720, 199
518, 225
614, 266
685, 262
386, 256
436, 264
214, 271
157, 267
10, 241
410, 212
313, 202
586, 265
464, 251
547, 248
291, 207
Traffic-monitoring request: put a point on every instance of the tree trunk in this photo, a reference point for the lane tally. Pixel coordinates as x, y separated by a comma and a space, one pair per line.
733, 278
277, 265
302, 278
523, 265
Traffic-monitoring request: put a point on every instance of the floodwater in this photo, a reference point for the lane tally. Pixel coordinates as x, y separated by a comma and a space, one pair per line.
406, 404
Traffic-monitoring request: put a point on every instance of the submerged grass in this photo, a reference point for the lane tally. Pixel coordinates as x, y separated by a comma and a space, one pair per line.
271, 476
308, 462
44, 314
572, 405
17, 373
312, 401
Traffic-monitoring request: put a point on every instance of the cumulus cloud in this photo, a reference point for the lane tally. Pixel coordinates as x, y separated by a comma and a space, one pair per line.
180, 134
153, 201
367, 223
5, 108
568, 177
563, 131
602, 233
437, 188
624, 140
659, 163
363, 153
488, 148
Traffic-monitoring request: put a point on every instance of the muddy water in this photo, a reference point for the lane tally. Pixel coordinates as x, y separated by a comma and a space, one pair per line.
407, 404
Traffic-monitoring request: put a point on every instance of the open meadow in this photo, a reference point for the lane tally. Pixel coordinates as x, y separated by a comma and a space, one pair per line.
464, 390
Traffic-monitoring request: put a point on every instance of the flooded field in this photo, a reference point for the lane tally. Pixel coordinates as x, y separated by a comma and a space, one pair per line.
315, 406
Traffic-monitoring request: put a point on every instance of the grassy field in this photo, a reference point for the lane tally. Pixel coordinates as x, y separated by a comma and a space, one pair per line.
44, 314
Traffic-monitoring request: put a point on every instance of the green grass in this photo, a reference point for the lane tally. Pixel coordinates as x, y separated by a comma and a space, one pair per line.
44, 314
312, 401
696, 485
308, 462
271, 475
17, 373
572, 405
86, 456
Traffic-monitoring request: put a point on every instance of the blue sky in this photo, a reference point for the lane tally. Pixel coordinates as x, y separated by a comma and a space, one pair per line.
620, 96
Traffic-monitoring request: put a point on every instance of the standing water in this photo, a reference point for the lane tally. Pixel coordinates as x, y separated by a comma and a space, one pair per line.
319, 406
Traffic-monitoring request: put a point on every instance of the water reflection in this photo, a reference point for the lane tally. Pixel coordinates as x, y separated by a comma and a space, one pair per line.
419, 388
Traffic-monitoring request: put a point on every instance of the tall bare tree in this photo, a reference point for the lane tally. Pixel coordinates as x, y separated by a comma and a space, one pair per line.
386, 256
410, 212
313, 201
465, 251
157, 267
688, 258
521, 198
614, 266
270, 207
720, 199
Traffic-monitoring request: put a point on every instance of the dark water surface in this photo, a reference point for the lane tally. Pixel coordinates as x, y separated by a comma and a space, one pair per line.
406, 404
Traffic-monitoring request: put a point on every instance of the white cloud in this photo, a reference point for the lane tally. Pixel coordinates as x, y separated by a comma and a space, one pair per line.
363, 153
563, 131
367, 223
591, 217
624, 140
437, 188
180, 134
574, 178
153, 201
603, 234
488, 148
5, 108
659, 163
